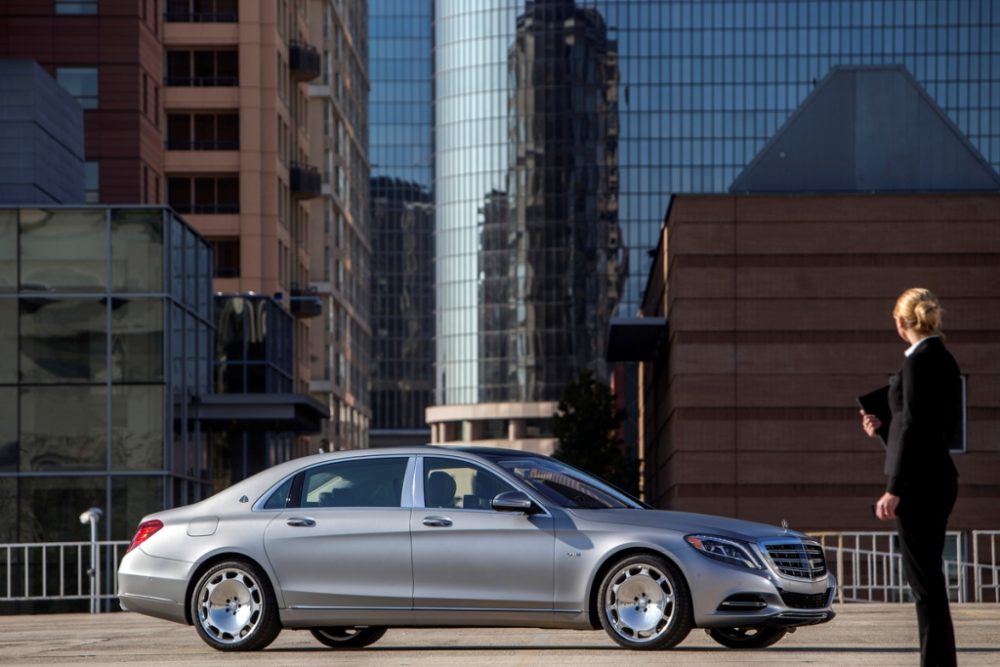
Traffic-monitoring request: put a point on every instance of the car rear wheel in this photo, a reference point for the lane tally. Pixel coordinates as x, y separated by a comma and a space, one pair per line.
348, 637
747, 637
234, 608
644, 603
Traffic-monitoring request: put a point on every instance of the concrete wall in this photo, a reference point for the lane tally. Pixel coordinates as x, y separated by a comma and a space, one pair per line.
779, 314
41, 138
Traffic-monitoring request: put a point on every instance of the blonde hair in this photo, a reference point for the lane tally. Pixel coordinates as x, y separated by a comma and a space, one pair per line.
920, 310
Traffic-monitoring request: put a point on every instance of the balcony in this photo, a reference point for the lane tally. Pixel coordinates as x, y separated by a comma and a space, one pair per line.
201, 81
305, 302
305, 181
208, 145
303, 61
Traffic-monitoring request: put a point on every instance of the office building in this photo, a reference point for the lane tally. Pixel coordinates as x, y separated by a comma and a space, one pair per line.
402, 232
701, 86
109, 56
41, 138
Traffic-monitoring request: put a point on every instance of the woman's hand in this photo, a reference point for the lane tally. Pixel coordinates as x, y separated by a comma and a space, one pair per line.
870, 423
885, 508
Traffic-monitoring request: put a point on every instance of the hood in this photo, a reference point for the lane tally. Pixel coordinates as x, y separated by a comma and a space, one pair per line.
686, 523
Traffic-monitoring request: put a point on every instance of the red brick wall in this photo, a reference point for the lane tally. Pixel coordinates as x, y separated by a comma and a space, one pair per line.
779, 314
122, 46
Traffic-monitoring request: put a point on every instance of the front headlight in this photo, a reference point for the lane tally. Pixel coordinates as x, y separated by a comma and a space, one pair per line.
725, 550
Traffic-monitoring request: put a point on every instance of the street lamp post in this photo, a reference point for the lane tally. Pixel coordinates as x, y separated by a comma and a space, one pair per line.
92, 516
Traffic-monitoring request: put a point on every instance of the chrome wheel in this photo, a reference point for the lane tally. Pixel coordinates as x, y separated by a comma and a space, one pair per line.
234, 609
640, 602
645, 603
229, 605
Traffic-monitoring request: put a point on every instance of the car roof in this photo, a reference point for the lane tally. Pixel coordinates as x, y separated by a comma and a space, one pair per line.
486, 452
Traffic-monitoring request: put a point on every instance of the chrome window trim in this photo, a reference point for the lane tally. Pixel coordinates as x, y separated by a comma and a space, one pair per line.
258, 506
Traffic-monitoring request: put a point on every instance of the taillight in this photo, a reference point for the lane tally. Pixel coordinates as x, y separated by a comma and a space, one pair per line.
144, 532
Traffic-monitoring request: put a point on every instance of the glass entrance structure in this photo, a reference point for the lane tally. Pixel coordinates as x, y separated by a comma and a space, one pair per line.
106, 331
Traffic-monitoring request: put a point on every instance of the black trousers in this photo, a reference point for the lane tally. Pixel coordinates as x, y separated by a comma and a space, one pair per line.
922, 528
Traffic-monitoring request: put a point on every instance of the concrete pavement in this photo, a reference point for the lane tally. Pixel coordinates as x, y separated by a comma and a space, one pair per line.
876, 634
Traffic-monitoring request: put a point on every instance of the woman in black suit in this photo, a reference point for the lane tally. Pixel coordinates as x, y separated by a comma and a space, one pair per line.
925, 398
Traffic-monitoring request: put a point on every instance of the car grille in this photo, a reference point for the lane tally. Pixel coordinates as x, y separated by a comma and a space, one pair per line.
804, 601
798, 559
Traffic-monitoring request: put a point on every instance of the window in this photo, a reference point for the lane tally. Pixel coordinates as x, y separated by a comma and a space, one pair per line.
202, 11
370, 482
92, 181
203, 132
450, 483
202, 68
204, 194
81, 83
227, 257
280, 497
70, 7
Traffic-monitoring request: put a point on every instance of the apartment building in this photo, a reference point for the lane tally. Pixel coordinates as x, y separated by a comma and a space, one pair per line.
339, 233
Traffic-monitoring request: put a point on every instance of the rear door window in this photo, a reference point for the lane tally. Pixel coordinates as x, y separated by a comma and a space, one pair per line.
368, 482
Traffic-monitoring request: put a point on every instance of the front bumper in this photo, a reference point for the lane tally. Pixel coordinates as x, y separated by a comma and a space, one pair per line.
725, 596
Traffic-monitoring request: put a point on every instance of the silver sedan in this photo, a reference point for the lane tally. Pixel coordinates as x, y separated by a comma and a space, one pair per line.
352, 543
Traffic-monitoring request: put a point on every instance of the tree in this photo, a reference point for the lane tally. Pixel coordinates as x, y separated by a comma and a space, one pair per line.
586, 424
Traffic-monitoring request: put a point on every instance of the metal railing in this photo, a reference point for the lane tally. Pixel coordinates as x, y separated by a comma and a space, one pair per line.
869, 568
50, 571
986, 565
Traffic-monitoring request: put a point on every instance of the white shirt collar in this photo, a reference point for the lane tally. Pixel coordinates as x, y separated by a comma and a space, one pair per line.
913, 348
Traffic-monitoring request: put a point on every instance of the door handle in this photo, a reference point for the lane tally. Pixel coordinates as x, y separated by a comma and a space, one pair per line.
301, 521
437, 521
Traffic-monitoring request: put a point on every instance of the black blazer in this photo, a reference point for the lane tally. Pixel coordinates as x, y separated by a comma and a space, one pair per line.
925, 398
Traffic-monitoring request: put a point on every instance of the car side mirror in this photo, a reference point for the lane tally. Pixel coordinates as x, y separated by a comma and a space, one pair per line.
513, 501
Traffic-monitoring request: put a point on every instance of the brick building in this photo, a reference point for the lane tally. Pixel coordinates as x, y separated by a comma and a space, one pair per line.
771, 311
112, 62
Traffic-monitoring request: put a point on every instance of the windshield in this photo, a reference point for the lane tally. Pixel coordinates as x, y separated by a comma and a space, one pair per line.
566, 486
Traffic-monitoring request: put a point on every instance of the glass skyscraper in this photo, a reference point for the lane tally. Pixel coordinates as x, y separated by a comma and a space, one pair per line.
696, 89
402, 233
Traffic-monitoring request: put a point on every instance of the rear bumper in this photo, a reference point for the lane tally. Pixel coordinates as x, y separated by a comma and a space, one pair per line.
154, 586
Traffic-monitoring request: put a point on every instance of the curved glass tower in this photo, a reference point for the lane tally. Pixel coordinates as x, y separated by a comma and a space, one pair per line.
562, 128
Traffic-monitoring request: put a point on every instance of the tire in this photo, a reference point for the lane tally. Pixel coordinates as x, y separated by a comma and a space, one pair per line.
233, 607
644, 603
348, 637
747, 637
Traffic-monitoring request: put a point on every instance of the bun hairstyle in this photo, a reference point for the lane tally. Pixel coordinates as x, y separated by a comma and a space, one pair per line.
920, 310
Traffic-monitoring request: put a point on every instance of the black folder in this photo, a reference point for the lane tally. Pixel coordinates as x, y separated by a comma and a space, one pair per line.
877, 403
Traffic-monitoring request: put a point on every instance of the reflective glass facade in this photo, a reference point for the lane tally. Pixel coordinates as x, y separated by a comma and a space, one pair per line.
401, 109
105, 334
692, 92
253, 355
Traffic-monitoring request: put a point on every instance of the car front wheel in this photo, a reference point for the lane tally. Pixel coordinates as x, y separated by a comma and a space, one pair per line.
348, 637
234, 608
644, 603
747, 637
